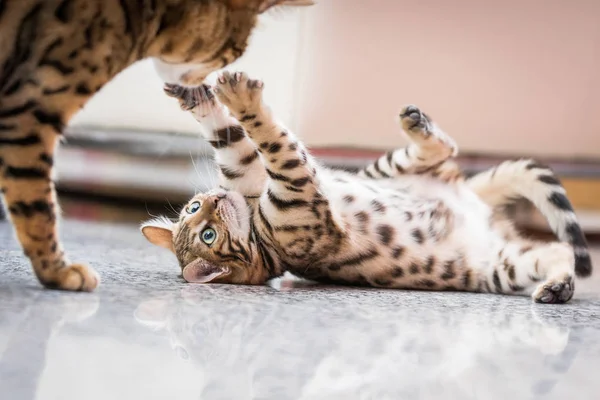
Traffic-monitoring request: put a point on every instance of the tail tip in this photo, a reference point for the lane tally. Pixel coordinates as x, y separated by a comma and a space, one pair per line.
583, 265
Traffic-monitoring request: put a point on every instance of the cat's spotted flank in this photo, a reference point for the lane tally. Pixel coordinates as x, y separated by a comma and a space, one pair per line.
410, 220
55, 54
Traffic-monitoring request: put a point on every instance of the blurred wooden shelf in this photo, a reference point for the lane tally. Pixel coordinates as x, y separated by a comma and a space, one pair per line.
167, 167
583, 192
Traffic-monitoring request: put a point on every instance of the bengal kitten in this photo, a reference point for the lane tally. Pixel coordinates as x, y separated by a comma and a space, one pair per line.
55, 54
410, 220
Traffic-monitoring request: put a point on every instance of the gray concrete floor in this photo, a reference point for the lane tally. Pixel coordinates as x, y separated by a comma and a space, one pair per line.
146, 335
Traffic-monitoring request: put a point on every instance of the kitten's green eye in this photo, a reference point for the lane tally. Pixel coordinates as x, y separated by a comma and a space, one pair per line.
192, 208
208, 236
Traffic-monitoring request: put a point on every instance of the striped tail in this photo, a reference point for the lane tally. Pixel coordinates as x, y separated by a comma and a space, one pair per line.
537, 183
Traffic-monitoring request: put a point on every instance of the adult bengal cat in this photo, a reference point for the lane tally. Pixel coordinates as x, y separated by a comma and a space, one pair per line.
55, 54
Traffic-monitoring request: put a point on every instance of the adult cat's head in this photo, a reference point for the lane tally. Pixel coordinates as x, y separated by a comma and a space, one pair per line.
196, 37
212, 240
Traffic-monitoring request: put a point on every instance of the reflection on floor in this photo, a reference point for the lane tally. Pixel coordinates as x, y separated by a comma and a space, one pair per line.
145, 334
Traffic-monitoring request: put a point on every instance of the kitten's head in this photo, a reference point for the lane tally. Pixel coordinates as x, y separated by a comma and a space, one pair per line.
195, 38
212, 240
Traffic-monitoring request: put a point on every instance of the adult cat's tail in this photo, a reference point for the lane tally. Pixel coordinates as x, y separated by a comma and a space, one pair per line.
537, 183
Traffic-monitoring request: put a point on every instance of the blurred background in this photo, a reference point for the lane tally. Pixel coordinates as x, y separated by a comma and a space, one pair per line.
506, 79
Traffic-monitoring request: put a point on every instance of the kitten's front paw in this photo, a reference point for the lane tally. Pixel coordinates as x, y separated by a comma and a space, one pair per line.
243, 96
558, 290
200, 100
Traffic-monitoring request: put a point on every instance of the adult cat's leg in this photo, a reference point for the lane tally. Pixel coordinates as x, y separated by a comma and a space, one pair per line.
240, 167
28, 137
544, 270
429, 151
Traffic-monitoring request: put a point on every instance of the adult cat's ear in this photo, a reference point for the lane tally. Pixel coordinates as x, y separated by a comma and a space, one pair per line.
201, 271
159, 232
264, 5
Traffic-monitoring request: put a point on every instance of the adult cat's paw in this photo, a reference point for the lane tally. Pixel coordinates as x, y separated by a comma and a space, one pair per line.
200, 98
555, 290
243, 96
75, 277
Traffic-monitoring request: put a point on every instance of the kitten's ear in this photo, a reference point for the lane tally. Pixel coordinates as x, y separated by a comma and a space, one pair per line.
201, 271
159, 232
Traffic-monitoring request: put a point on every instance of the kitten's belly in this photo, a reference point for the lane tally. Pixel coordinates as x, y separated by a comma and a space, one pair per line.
418, 232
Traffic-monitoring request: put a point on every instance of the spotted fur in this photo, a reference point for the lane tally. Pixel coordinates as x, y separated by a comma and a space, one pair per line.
410, 220
55, 54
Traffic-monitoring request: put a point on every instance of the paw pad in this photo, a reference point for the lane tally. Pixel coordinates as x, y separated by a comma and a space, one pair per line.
555, 291
189, 98
238, 92
412, 117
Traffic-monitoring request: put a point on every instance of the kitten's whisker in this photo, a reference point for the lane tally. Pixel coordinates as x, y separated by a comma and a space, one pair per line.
172, 208
212, 178
148, 211
194, 165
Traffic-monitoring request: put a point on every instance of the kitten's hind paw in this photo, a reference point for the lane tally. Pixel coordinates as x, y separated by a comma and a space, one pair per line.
424, 132
555, 290
243, 96
190, 97
414, 120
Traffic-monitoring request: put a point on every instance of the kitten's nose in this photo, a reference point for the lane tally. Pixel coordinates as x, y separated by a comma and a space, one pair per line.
217, 196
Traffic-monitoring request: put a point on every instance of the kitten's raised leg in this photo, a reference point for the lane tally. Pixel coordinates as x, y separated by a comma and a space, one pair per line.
293, 202
240, 168
544, 270
429, 151
291, 169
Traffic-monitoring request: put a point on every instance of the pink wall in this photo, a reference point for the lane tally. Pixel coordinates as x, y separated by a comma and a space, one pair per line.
511, 76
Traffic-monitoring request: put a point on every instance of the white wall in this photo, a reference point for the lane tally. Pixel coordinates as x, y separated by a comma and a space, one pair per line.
510, 76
